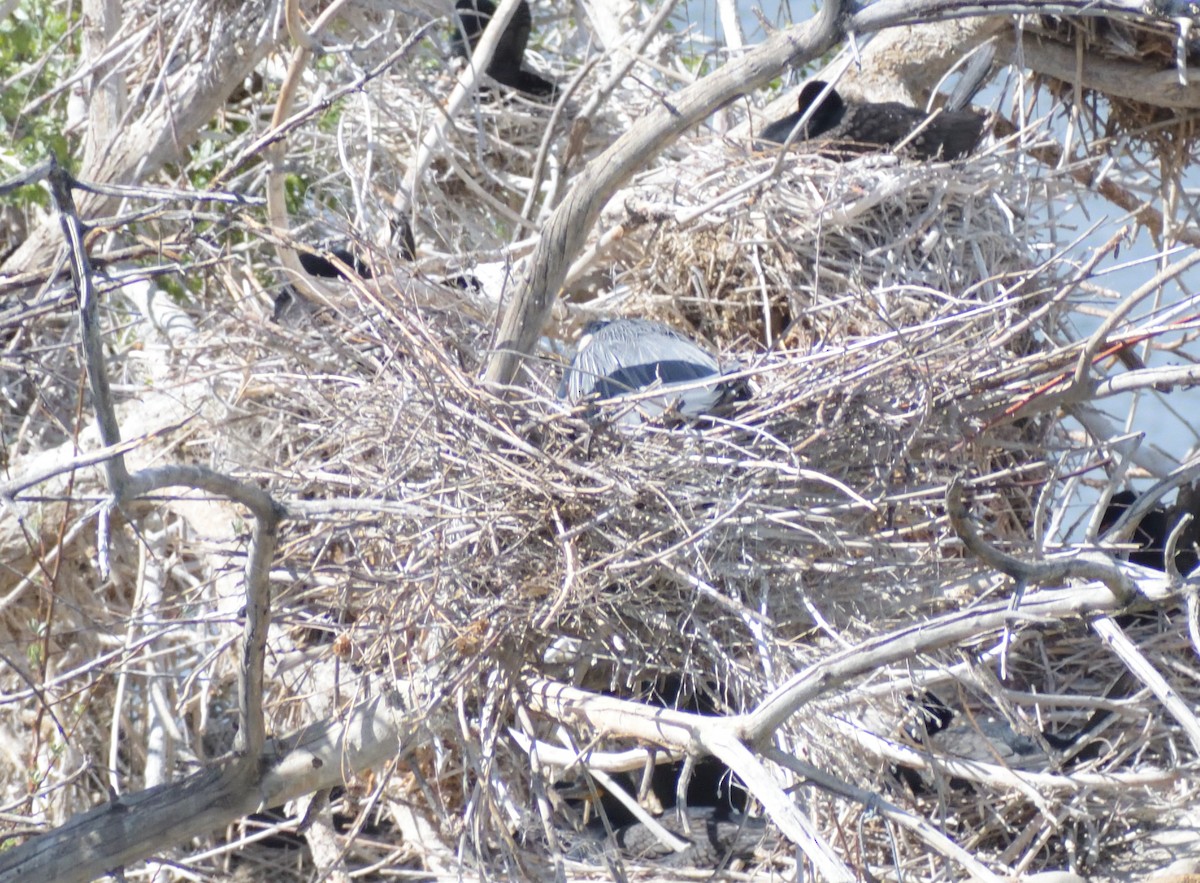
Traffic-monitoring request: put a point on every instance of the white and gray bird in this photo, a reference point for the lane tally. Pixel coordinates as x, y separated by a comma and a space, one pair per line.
618, 358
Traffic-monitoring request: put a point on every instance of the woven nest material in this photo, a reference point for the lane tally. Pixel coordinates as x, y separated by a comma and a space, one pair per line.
1169, 134
900, 323
822, 250
522, 541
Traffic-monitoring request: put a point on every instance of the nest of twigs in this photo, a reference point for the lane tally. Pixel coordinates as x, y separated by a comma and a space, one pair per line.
1147, 44
718, 559
901, 325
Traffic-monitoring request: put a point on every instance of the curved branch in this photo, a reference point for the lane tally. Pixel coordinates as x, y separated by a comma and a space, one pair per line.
125, 486
267, 516
923, 637
567, 229
136, 826
1082, 565
1122, 529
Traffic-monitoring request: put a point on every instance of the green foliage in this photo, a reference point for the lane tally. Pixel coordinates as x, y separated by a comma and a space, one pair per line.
295, 189
179, 288
33, 653
33, 59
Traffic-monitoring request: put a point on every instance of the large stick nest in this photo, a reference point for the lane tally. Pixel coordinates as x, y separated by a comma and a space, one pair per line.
894, 318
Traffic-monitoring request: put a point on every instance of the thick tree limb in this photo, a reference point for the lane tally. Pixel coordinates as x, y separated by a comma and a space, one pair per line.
1112, 76
732, 738
709, 735
139, 825
567, 229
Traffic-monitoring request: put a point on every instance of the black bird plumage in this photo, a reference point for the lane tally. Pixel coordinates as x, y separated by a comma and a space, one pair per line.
846, 128
990, 740
289, 301
1151, 533
507, 65
718, 828
319, 265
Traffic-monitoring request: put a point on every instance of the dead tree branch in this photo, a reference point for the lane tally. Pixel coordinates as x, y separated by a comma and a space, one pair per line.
139, 825
567, 229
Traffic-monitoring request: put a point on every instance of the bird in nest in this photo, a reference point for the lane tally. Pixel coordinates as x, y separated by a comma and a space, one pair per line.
620, 361
840, 128
713, 837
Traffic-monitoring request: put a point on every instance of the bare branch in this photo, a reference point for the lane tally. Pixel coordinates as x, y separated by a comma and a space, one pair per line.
923, 637
567, 229
126, 487
137, 826
1080, 565
1145, 672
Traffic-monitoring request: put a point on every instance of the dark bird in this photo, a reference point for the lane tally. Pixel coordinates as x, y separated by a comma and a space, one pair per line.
291, 305
1151, 533
506, 67
619, 357
718, 835
845, 128
319, 265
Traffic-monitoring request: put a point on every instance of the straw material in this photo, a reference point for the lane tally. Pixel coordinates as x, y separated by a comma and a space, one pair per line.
903, 324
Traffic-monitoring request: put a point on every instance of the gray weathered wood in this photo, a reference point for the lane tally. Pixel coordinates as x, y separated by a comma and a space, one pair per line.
141, 825
567, 228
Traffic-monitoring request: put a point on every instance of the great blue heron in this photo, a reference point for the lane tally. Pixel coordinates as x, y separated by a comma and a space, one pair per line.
619, 358
845, 128
506, 67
